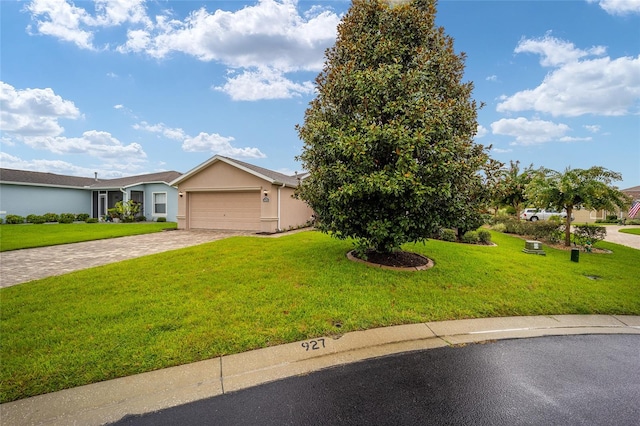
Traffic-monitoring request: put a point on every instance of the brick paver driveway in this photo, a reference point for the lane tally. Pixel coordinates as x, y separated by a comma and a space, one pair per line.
20, 266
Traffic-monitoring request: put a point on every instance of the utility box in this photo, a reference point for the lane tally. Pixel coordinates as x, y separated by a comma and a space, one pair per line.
533, 247
575, 255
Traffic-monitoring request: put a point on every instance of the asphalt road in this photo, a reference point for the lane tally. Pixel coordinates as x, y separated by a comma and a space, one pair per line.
561, 380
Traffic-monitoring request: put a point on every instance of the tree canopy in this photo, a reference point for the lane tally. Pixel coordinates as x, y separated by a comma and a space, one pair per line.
574, 189
388, 141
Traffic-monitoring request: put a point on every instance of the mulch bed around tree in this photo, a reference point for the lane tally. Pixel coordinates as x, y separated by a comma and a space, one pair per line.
398, 259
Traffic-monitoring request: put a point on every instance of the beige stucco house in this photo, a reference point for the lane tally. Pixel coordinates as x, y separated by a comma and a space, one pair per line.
590, 216
227, 194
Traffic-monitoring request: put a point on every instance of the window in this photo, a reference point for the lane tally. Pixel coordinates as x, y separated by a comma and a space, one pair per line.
160, 203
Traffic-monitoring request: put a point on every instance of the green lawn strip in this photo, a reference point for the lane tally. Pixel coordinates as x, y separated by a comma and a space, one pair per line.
14, 237
244, 293
634, 231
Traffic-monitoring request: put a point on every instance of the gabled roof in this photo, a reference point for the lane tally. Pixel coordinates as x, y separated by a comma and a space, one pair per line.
266, 174
25, 177
634, 191
164, 177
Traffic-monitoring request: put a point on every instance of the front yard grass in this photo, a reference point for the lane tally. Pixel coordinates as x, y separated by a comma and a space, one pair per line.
244, 293
14, 237
634, 231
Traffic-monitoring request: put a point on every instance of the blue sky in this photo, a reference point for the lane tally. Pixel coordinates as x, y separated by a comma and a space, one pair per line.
126, 87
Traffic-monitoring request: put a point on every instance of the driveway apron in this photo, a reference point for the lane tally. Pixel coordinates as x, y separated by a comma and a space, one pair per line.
20, 266
629, 240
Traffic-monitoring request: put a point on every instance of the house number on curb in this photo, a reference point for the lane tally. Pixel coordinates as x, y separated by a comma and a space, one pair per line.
313, 345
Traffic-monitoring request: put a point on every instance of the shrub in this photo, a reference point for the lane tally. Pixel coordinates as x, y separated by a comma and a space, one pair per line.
633, 222
50, 217
34, 218
92, 220
67, 218
448, 235
550, 230
14, 219
470, 237
484, 236
82, 217
588, 233
514, 226
499, 227
140, 218
161, 219
612, 217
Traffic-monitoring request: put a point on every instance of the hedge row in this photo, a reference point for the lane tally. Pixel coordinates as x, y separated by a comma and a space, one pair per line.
14, 219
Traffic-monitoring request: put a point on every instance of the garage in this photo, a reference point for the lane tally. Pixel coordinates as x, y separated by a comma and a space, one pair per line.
227, 194
225, 210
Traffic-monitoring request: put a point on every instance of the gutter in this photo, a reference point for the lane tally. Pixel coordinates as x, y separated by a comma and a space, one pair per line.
279, 188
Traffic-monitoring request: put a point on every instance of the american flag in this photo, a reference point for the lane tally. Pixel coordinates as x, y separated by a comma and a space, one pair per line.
633, 211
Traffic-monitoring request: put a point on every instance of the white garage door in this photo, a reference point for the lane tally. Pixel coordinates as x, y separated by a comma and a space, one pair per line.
225, 210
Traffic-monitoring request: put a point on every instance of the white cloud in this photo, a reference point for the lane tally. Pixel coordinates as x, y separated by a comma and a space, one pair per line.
554, 52
65, 21
492, 78
94, 143
592, 128
217, 144
272, 34
618, 7
482, 131
33, 112
578, 85
501, 150
529, 132
204, 142
168, 132
263, 83
104, 170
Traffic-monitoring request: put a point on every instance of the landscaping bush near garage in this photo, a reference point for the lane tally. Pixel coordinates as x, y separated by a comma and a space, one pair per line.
244, 293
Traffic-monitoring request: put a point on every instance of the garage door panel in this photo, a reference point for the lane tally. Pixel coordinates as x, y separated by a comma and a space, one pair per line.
225, 210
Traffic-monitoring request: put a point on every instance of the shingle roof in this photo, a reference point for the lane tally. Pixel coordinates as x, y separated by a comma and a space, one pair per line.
276, 176
134, 180
634, 191
40, 178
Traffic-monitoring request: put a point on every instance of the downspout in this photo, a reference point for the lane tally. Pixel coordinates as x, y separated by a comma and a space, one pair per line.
279, 188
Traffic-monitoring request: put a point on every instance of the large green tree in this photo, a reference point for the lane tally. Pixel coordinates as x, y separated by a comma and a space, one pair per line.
388, 141
575, 189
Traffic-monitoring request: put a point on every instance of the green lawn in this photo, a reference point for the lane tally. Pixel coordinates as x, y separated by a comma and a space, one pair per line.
14, 237
244, 293
634, 231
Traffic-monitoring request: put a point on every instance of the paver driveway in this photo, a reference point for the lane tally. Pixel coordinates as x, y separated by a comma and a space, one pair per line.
20, 266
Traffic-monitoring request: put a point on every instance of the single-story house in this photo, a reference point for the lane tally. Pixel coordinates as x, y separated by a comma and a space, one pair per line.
223, 193
24, 192
590, 216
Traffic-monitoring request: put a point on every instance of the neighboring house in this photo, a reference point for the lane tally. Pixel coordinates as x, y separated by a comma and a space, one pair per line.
23, 192
590, 216
223, 193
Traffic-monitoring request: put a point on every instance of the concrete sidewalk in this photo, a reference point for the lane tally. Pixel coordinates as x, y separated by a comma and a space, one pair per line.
110, 401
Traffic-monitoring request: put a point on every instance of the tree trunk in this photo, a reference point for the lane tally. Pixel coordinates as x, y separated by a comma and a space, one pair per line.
567, 231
